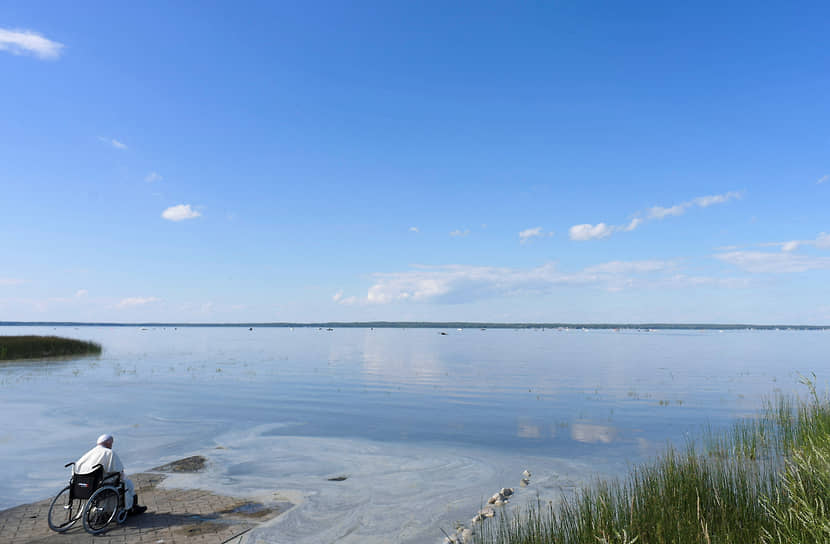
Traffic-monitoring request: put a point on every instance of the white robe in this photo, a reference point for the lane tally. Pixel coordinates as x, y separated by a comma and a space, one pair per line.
112, 465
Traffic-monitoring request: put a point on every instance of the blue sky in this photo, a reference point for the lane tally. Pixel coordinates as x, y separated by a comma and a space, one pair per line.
212, 162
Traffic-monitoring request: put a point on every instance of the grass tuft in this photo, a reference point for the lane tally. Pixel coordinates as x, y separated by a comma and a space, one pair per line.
765, 480
38, 347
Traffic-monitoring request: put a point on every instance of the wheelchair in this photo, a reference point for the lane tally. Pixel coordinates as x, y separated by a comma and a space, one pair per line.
92, 497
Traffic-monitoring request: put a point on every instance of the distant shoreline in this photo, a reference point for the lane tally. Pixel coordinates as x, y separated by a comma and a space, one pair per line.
435, 325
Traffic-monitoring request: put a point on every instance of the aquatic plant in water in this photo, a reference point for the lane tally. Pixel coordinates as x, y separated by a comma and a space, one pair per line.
38, 347
766, 480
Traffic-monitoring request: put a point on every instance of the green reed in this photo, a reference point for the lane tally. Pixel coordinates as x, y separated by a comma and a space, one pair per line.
766, 479
38, 347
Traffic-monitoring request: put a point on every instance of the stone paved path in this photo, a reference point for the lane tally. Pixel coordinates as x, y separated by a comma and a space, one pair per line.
174, 516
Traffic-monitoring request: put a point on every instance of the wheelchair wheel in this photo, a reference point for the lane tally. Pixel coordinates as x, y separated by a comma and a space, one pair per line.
64, 512
100, 510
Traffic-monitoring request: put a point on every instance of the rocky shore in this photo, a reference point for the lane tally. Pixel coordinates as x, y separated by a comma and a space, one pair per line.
173, 515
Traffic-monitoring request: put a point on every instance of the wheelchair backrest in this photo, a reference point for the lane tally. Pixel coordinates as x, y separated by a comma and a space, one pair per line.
84, 485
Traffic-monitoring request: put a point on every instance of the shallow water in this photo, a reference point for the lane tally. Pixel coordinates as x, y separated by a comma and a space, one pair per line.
425, 426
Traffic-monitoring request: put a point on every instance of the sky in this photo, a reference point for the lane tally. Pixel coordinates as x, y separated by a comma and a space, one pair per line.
430, 161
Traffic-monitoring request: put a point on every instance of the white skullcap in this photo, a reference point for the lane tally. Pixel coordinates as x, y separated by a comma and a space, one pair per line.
104, 438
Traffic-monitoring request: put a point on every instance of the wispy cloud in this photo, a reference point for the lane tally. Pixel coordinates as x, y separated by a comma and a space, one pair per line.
589, 231
633, 224
683, 281
153, 177
26, 42
536, 232
822, 241
451, 284
180, 213
773, 263
458, 232
113, 142
340, 299
137, 301
659, 212
81, 293
414, 229
5, 282
628, 267
822, 179
706, 201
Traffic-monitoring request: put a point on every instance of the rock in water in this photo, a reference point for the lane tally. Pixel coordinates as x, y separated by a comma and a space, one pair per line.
487, 512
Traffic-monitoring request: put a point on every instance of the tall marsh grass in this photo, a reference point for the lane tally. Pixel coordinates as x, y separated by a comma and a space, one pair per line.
765, 480
37, 347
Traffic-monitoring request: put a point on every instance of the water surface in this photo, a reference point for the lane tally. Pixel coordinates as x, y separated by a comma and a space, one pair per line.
424, 425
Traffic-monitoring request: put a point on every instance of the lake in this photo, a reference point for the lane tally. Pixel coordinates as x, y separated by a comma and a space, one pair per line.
425, 426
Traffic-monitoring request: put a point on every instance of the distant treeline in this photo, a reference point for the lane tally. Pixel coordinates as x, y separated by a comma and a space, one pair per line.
37, 347
441, 325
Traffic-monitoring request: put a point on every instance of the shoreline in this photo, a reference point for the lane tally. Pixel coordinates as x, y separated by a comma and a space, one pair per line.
176, 514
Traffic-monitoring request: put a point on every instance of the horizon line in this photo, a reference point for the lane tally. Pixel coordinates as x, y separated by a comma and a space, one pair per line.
420, 324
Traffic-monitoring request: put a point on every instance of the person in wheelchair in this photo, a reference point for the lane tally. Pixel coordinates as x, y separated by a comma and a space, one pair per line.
102, 454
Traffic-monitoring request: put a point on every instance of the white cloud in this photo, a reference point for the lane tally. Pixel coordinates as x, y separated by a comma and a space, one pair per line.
346, 301
81, 293
535, 232
590, 232
822, 179
180, 213
627, 267
414, 229
26, 42
822, 241
773, 263
636, 222
113, 142
706, 201
682, 280
454, 283
659, 212
152, 177
601, 230
459, 232
137, 301
5, 282
451, 284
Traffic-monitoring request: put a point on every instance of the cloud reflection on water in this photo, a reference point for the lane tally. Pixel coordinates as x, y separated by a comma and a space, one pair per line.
590, 433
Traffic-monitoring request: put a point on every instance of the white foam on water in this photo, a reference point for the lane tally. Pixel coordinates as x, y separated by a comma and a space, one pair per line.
394, 492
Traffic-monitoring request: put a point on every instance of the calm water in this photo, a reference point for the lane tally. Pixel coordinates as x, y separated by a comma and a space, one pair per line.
424, 425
